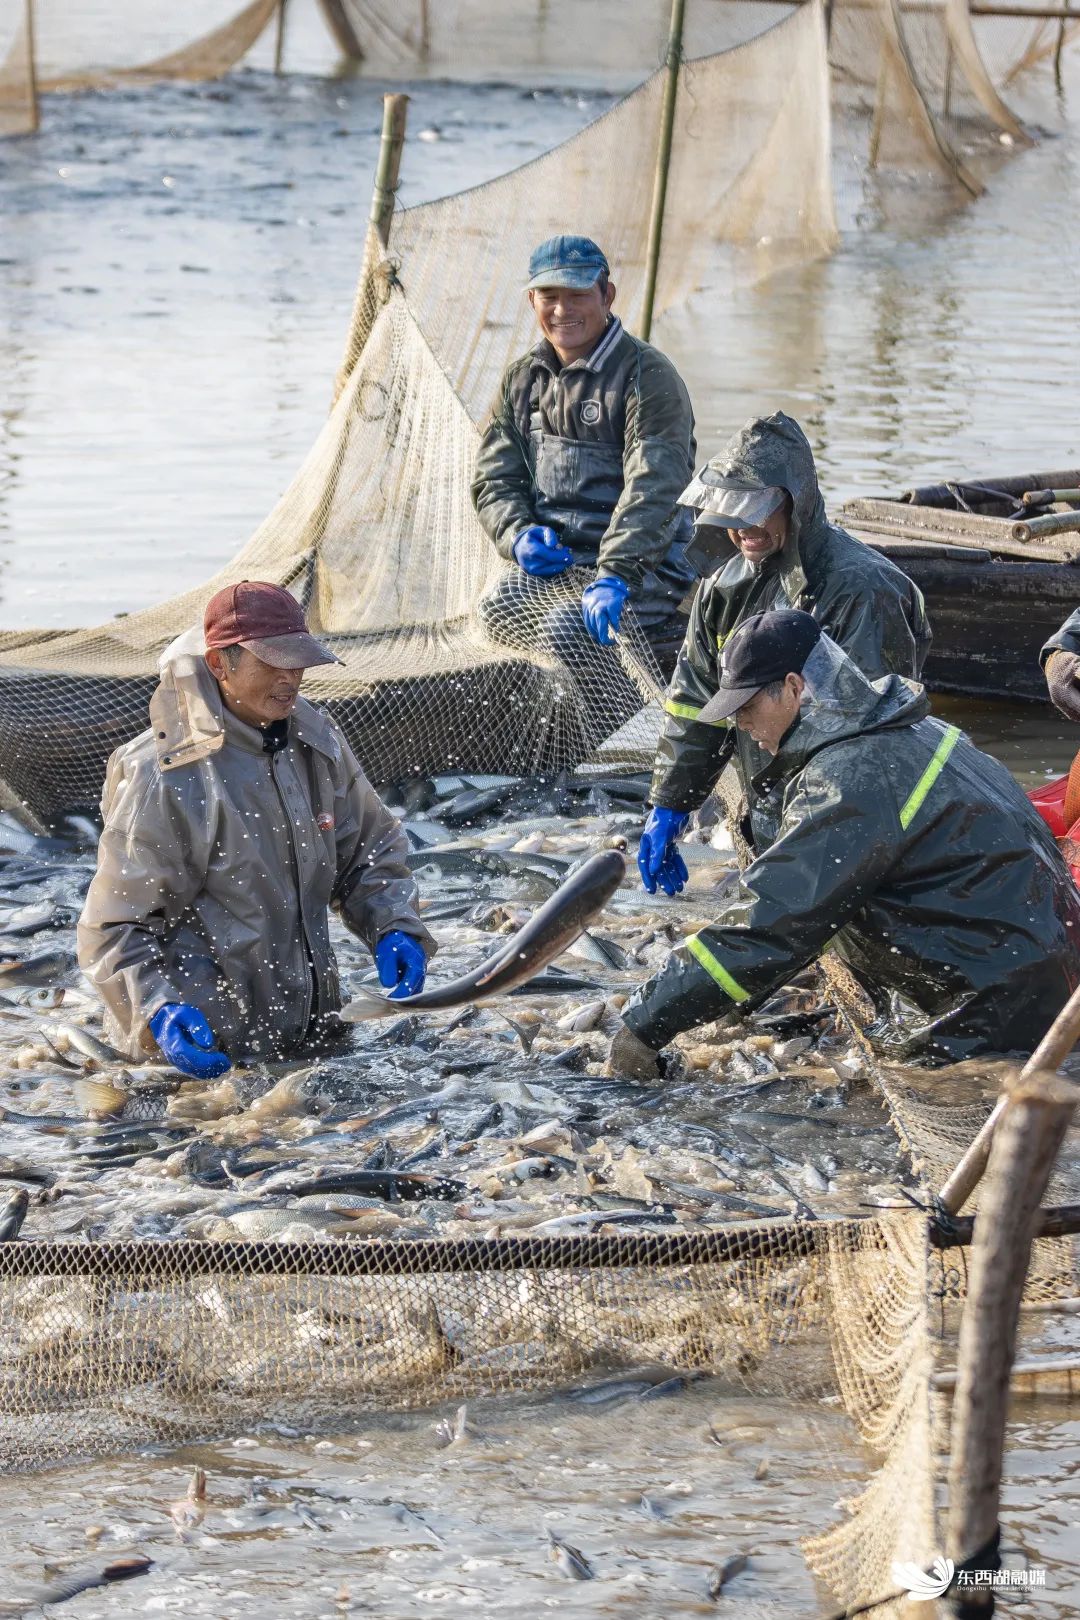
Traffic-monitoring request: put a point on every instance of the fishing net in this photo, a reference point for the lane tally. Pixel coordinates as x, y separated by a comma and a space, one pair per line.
82, 44
107, 1346
912, 93
116, 1345
376, 533
18, 99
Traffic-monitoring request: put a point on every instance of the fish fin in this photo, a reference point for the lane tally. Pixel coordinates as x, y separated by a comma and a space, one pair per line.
366, 1004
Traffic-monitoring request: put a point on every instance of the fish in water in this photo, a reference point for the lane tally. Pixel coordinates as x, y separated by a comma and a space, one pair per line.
570, 1559
188, 1513
555, 925
393, 1185
76, 1581
453, 1434
43, 969
12, 1215
724, 1573
68, 1037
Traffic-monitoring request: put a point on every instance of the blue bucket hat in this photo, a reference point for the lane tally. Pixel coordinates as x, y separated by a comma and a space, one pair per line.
566, 261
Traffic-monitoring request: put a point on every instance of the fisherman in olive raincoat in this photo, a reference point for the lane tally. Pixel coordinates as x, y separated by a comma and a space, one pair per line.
916, 856
231, 827
589, 443
761, 515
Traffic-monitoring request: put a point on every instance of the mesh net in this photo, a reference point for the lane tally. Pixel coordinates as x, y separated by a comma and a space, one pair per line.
18, 99
377, 533
81, 44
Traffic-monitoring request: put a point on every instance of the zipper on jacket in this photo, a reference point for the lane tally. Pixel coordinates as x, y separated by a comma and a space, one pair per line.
311, 1006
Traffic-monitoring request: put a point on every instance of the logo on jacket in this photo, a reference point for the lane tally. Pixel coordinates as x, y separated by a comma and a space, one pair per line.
590, 412
324, 821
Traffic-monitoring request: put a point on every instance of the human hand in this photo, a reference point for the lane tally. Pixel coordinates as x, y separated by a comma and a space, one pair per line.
659, 861
539, 551
602, 603
188, 1042
402, 964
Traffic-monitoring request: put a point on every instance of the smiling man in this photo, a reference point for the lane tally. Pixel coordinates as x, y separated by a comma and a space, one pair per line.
901, 846
231, 827
762, 523
589, 444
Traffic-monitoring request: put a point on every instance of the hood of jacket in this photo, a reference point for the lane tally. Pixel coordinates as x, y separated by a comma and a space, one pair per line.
839, 703
770, 452
187, 715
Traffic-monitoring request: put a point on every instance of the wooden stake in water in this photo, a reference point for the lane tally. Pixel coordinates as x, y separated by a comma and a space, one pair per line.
663, 164
395, 113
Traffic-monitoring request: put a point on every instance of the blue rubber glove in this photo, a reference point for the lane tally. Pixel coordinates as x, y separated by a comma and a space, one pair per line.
188, 1042
602, 603
658, 858
539, 551
402, 963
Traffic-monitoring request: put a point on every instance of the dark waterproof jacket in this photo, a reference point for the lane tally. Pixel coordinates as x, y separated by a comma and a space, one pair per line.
598, 450
1067, 639
920, 858
861, 599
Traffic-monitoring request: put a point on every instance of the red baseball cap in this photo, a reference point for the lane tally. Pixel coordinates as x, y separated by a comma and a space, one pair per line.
267, 621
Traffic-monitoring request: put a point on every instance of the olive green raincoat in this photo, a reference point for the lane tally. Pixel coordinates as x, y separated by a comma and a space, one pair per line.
917, 856
860, 598
217, 865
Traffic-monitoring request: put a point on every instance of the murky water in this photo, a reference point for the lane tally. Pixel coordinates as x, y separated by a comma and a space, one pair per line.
176, 268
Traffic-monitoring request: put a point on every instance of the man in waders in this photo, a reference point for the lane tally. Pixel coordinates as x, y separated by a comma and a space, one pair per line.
588, 447
901, 845
231, 826
761, 522
1061, 665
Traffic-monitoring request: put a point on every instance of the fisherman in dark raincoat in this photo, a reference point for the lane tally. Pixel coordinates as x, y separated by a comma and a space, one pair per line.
1060, 659
589, 442
761, 516
913, 854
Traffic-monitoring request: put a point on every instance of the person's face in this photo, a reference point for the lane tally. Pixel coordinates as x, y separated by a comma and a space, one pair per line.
767, 717
255, 691
572, 319
765, 539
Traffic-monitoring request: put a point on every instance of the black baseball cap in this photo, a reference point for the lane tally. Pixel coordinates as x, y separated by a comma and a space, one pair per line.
762, 650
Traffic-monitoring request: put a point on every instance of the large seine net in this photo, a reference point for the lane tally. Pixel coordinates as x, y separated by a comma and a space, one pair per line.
377, 534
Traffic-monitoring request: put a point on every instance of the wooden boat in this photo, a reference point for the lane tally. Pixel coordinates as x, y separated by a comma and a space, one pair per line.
996, 559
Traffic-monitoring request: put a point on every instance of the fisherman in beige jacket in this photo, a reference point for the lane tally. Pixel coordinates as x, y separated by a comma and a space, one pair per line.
231, 827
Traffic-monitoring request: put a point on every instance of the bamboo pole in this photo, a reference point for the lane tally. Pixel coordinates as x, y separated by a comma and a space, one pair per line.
663, 164
1021, 1160
395, 113
1037, 527
1055, 1374
279, 36
31, 66
1044, 497
1059, 47
338, 21
880, 92
1047, 1058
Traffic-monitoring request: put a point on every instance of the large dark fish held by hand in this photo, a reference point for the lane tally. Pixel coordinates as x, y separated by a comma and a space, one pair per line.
545, 936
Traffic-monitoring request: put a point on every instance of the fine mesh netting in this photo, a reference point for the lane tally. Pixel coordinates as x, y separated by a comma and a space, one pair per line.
83, 44
107, 1346
18, 98
377, 533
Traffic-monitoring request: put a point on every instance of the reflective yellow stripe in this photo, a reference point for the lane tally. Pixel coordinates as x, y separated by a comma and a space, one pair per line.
687, 711
701, 953
929, 776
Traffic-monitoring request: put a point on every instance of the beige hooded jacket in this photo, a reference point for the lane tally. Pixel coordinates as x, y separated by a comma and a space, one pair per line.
218, 863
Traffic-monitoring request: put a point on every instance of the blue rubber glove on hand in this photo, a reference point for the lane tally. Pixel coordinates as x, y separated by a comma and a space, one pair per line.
658, 858
402, 964
539, 551
188, 1042
602, 603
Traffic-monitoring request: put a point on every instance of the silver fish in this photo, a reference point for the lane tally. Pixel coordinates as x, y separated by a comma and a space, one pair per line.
558, 921
723, 1573
13, 1214
570, 1559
